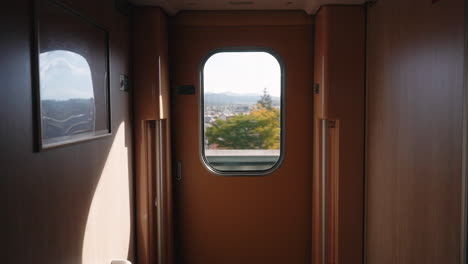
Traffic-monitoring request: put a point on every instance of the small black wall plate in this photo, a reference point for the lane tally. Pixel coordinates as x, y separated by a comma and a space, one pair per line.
185, 89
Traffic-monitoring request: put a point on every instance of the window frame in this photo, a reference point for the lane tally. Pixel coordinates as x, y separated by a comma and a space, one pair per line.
243, 173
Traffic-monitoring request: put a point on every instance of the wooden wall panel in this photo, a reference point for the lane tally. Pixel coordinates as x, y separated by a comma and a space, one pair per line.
414, 143
340, 74
249, 19
152, 136
74, 204
150, 51
243, 219
320, 50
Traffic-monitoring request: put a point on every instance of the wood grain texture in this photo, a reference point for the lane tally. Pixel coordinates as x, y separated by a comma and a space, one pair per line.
320, 60
150, 59
74, 204
249, 18
244, 219
340, 73
414, 127
152, 136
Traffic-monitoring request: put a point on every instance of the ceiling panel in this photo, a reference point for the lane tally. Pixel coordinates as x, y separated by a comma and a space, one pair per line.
174, 6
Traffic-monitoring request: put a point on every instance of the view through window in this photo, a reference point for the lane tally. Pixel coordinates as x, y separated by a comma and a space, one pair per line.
242, 111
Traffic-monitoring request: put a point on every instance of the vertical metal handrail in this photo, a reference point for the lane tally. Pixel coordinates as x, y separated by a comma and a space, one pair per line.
324, 189
159, 189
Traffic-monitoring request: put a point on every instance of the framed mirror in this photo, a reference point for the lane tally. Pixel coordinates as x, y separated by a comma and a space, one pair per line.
71, 62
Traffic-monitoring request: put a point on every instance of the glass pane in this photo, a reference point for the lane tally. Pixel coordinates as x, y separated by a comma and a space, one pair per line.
242, 111
73, 77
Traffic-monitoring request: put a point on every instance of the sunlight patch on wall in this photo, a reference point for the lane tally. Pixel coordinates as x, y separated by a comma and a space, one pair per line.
108, 228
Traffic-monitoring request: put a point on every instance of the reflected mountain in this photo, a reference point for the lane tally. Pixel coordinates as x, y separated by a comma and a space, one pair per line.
67, 118
67, 95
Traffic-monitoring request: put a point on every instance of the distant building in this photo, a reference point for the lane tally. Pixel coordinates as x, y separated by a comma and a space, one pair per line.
208, 119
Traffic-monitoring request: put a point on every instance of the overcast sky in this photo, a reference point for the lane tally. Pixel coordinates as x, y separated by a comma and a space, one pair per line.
64, 75
242, 73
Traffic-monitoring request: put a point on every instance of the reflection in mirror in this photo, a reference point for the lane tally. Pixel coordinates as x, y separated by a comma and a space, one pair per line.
67, 96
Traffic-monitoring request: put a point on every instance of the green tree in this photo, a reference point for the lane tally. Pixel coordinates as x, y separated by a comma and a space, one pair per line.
265, 101
237, 132
258, 130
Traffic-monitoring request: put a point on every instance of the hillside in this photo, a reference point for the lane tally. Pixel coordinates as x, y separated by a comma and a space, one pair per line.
236, 99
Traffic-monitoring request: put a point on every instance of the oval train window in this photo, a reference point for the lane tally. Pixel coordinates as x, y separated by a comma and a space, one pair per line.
242, 112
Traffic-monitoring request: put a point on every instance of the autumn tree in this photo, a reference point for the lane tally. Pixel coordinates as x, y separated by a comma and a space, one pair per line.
260, 129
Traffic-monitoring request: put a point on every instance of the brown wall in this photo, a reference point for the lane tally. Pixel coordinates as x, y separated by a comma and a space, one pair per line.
340, 75
243, 219
415, 90
153, 177
74, 204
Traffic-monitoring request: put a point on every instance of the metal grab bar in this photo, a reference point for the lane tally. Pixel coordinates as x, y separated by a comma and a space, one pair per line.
159, 187
324, 189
